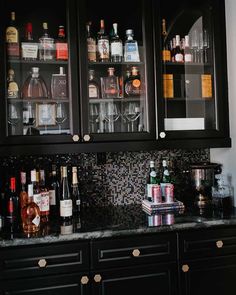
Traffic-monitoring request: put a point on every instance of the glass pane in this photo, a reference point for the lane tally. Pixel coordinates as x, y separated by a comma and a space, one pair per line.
188, 67
37, 96
116, 69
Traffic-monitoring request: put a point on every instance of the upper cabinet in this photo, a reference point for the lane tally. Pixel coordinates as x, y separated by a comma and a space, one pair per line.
192, 72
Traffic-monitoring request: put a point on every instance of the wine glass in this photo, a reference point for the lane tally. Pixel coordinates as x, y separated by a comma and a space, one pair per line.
13, 118
29, 117
112, 115
60, 115
131, 114
206, 44
195, 44
94, 117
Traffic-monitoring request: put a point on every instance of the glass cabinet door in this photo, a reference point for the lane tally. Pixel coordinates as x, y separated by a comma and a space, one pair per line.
190, 82
38, 81
117, 97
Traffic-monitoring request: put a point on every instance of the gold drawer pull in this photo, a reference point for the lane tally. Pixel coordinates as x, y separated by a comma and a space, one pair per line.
136, 252
185, 268
42, 263
75, 138
219, 244
97, 278
84, 280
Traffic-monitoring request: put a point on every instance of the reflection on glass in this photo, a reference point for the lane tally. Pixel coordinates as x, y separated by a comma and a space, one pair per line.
206, 45
94, 118
111, 116
13, 118
61, 115
29, 117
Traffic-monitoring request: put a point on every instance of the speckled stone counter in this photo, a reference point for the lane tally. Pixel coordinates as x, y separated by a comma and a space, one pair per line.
113, 221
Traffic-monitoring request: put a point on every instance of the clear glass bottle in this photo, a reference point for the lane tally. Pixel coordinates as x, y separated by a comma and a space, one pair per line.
110, 85
91, 44
93, 86
133, 83
103, 44
61, 45
30, 214
131, 52
46, 45
34, 86
116, 46
75, 192
59, 85
12, 86
65, 198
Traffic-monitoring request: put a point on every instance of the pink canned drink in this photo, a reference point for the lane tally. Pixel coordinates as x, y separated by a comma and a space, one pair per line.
156, 194
169, 219
169, 193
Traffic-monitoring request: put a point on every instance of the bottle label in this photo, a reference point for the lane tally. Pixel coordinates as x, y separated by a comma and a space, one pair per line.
188, 57
29, 50
62, 51
12, 35
36, 220
13, 90
168, 86
179, 57
10, 208
44, 202
13, 50
131, 52
153, 174
136, 83
46, 49
93, 92
116, 49
66, 229
78, 202
166, 55
66, 208
91, 50
37, 200
206, 86
52, 197
103, 49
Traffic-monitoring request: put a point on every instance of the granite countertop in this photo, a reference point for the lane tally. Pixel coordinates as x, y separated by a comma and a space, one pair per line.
113, 221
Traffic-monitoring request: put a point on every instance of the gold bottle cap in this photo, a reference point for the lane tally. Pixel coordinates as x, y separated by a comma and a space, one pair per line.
13, 15
45, 26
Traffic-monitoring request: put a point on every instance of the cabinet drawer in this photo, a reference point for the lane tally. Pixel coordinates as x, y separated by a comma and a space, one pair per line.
43, 260
207, 243
133, 250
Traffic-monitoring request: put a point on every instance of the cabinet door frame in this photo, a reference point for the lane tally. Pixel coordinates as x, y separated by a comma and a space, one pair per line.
220, 68
149, 71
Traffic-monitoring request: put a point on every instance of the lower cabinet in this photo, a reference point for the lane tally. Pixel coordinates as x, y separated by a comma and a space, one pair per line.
51, 285
149, 279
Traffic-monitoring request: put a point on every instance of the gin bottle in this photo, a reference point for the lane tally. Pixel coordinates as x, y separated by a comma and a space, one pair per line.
131, 53
116, 46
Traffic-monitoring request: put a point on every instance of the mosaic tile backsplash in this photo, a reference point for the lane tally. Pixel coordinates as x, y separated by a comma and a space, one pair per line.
121, 180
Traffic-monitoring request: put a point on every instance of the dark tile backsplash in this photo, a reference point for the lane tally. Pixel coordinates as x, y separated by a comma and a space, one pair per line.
121, 180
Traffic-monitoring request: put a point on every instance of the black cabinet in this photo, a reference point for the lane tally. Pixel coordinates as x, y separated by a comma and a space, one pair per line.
133, 97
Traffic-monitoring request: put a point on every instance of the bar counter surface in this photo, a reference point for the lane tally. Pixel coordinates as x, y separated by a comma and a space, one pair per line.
114, 221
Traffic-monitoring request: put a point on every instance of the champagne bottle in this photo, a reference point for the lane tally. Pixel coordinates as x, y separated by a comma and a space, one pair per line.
166, 55
65, 198
75, 192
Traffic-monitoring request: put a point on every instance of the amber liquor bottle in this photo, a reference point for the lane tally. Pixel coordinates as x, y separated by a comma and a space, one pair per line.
103, 44
166, 54
12, 39
91, 44
133, 83
61, 45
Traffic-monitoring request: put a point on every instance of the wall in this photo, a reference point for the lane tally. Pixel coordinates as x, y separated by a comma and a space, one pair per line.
227, 157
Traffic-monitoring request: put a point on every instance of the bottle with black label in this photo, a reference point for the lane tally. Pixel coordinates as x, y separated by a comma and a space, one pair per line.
54, 193
65, 197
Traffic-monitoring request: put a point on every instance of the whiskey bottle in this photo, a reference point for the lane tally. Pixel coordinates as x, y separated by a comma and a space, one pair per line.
59, 85
76, 199
131, 52
61, 45
46, 45
12, 39
166, 55
54, 193
179, 57
116, 46
65, 198
12, 87
44, 208
29, 48
110, 85
91, 44
103, 44
93, 86
30, 214
133, 83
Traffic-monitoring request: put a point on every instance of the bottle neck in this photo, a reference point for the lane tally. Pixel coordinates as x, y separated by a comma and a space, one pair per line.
61, 34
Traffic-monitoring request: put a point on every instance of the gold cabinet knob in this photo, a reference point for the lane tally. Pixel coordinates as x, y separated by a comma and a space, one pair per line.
162, 135
185, 268
75, 138
219, 244
87, 137
42, 263
84, 280
97, 278
136, 252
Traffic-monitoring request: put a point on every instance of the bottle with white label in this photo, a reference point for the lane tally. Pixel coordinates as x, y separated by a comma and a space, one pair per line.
188, 56
131, 52
65, 198
179, 57
116, 46
75, 192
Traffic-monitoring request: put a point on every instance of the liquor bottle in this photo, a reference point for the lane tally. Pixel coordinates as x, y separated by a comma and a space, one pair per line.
30, 214
61, 45
165, 175
45, 207
173, 49
59, 85
91, 44
93, 86
34, 86
76, 199
12, 87
188, 56
179, 57
103, 44
133, 84
166, 55
65, 198
110, 85
29, 48
116, 46
12, 39
131, 52
34, 175
23, 193
54, 193
46, 45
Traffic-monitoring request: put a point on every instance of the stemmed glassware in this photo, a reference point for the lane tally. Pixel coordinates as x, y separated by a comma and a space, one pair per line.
60, 115
131, 114
206, 44
13, 118
94, 117
112, 115
29, 117
195, 44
